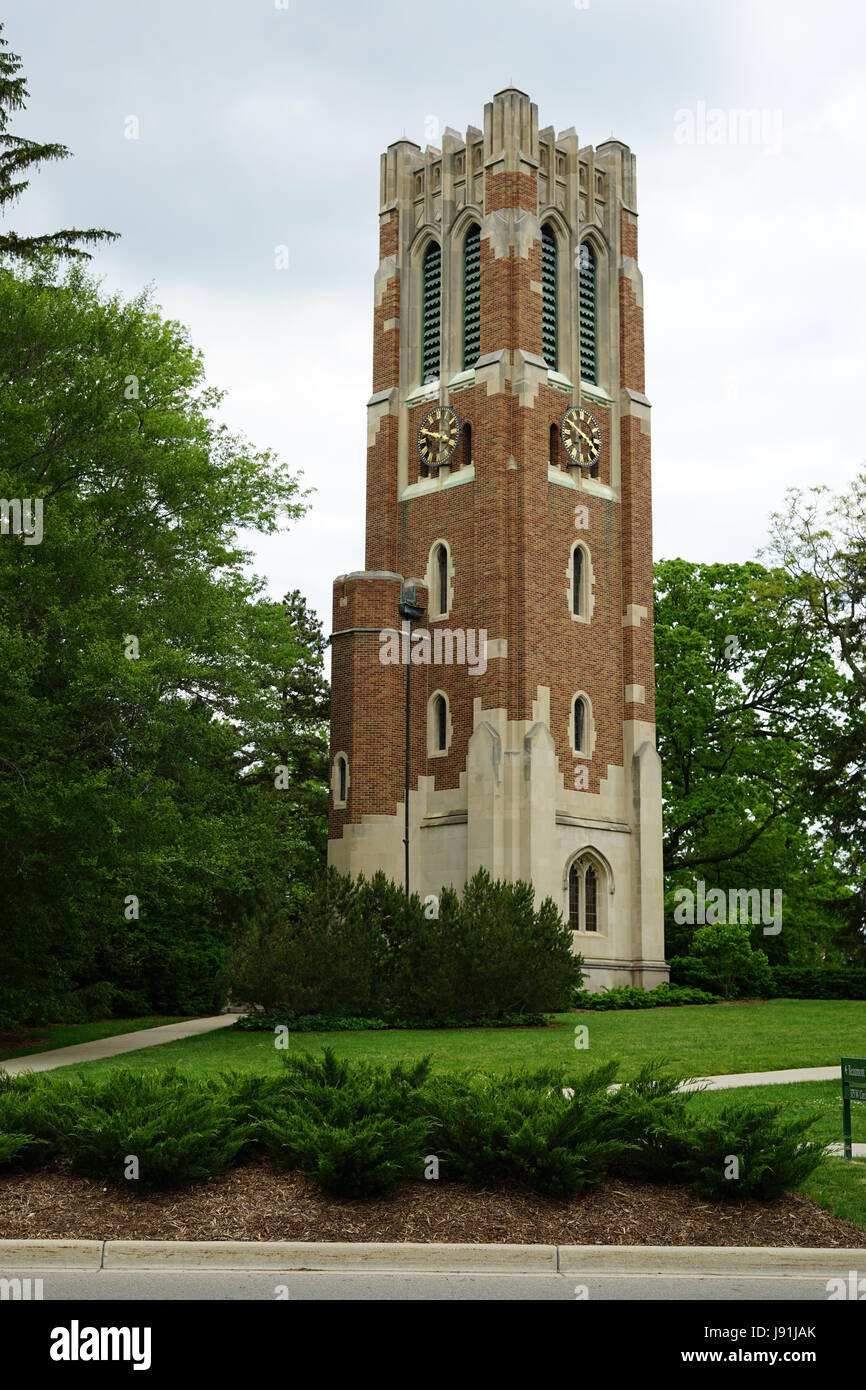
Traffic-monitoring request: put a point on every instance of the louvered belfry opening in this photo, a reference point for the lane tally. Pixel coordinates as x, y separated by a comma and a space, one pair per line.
587, 284
472, 297
431, 313
549, 296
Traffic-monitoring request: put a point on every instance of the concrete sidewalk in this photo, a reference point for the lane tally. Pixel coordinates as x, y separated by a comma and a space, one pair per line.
117, 1045
763, 1078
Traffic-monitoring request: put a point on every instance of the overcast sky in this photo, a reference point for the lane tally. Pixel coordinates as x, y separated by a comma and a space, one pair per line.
262, 125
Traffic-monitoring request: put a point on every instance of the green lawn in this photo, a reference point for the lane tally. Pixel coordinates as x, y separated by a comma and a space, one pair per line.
52, 1035
693, 1041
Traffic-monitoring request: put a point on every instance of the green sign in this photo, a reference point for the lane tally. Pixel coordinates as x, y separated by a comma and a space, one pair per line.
853, 1088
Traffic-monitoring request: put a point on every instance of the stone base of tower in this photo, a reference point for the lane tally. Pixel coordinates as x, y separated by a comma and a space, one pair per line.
515, 814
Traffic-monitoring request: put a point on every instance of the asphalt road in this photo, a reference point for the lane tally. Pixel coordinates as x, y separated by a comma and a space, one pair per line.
369, 1286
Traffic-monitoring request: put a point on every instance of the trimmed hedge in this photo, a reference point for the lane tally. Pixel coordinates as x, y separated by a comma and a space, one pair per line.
267, 1022
633, 997
357, 1130
785, 981
803, 982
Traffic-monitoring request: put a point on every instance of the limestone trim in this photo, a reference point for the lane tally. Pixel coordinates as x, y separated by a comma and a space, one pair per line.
634, 615
385, 272
439, 483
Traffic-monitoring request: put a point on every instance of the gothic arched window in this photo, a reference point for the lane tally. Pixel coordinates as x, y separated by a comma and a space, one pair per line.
340, 781
441, 723
549, 295
438, 731
590, 888
431, 312
574, 898
588, 287
471, 296
579, 725
587, 881
577, 601
442, 578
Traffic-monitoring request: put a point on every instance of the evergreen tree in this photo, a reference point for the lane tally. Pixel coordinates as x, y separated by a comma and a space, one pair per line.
19, 157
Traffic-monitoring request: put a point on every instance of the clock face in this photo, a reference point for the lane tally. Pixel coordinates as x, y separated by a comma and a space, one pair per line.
438, 434
581, 436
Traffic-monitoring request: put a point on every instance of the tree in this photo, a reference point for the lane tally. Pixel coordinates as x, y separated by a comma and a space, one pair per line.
820, 538
744, 689
18, 156
145, 680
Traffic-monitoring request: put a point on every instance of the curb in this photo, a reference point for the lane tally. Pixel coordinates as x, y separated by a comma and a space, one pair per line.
51, 1254
432, 1258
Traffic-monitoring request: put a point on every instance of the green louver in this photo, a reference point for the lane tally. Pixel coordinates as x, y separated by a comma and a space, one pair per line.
431, 313
472, 297
588, 314
549, 296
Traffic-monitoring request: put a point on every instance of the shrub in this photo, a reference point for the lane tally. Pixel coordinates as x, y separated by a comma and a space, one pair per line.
632, 997
771, 1152
650, 1108
27, 1113
355, 1129
179, 1128
14, 1147
736, 968
361, 949
556, 1134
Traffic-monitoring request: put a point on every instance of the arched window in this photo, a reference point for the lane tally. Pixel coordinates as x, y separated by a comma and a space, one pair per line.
588, 287
587, 881
431, 312
442, 578
549, 295
577, 600
467, 446
438, 725
590, 887
579, 724
340, 780
471, 297
579, 593
441, 714
574, 897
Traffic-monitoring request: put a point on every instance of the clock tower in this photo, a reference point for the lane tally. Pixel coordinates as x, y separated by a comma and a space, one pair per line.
508, 497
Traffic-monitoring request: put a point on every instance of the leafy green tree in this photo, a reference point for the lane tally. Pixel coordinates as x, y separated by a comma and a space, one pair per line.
18, 157
744, 691
820, 539
145, 680
726, 950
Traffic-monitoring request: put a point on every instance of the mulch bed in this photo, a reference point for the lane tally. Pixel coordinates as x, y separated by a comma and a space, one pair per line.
259, 1202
